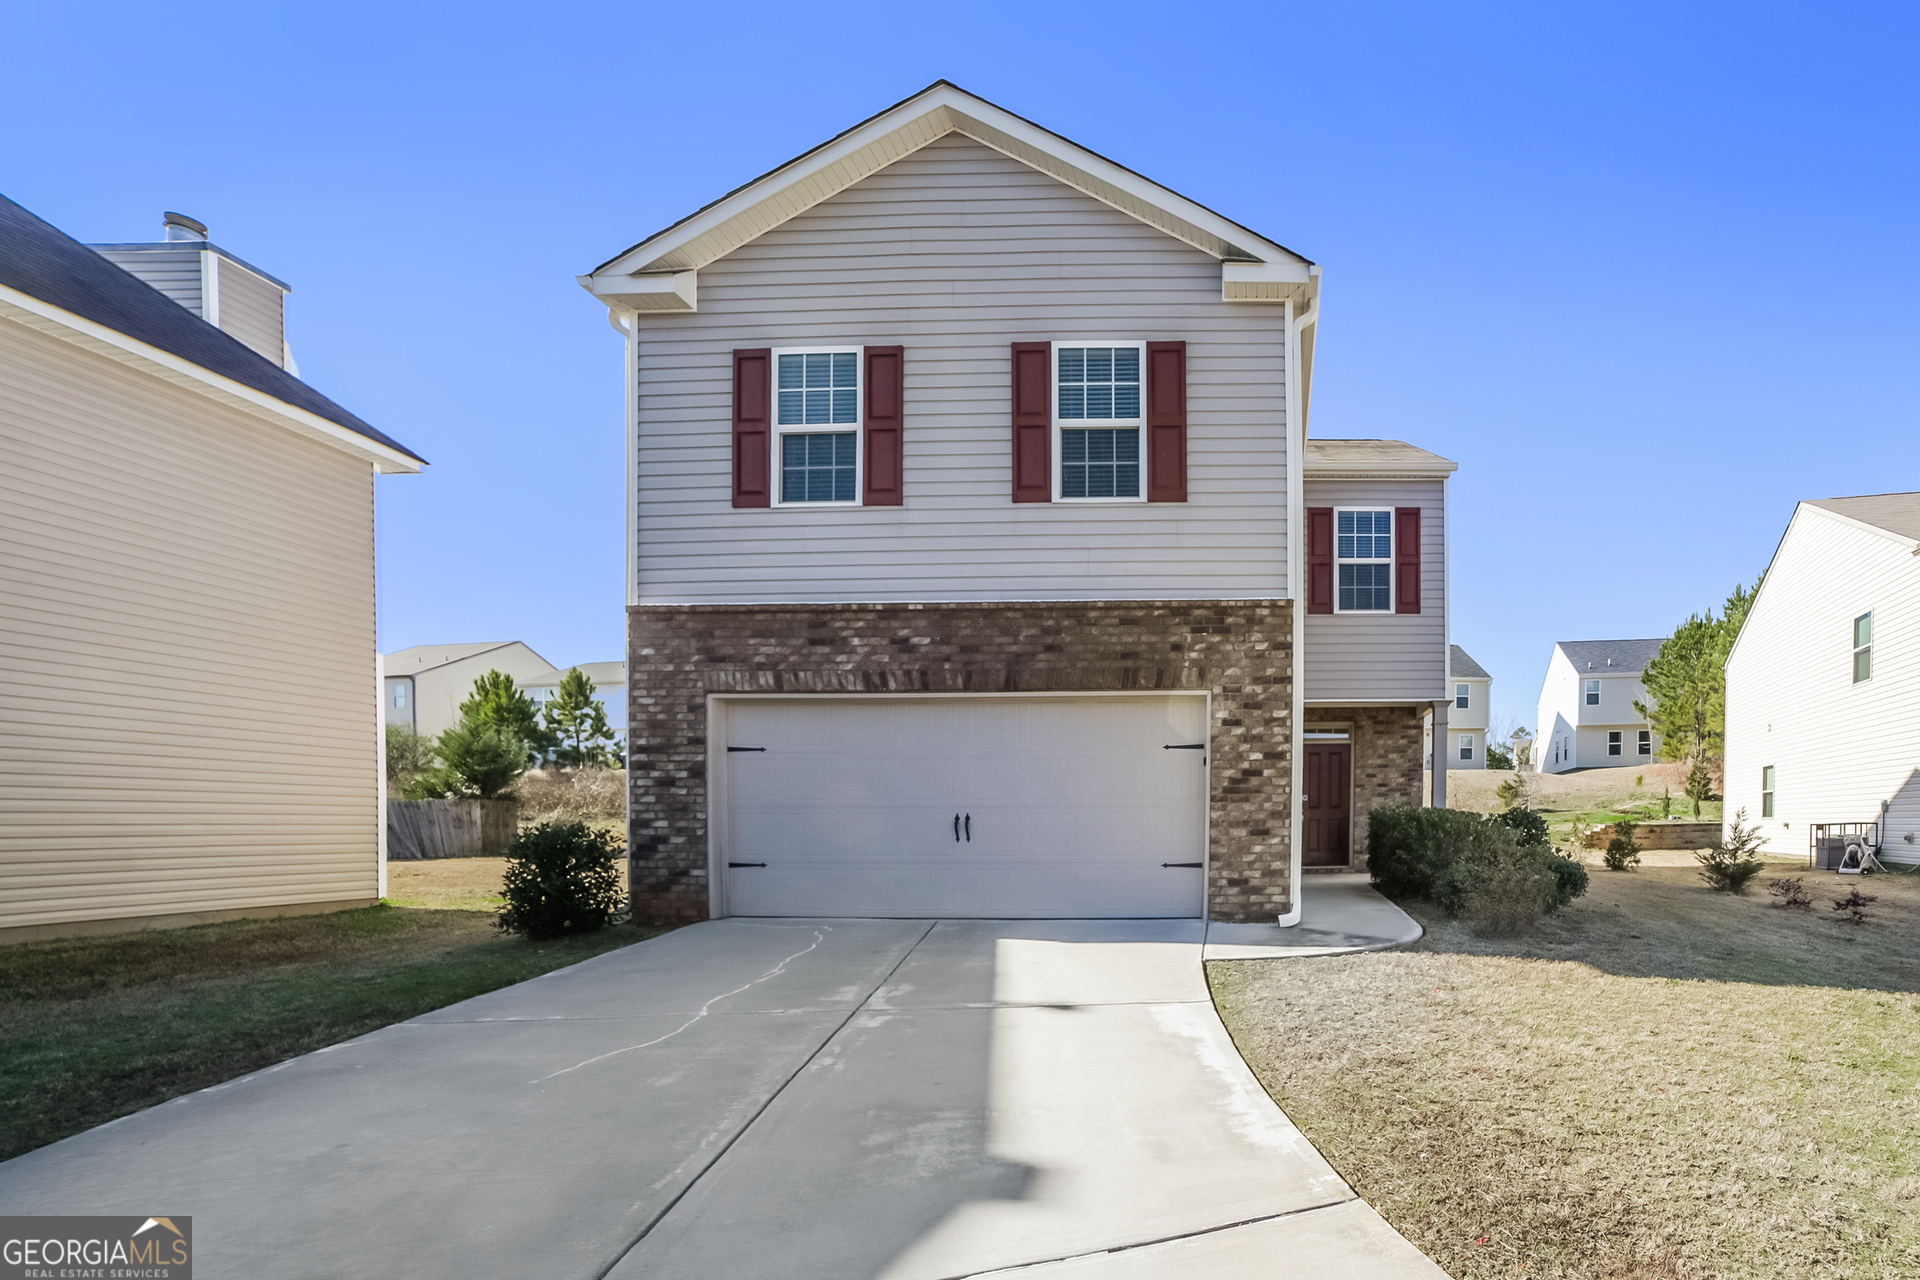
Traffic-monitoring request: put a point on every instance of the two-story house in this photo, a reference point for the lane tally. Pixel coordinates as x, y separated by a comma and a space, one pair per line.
426, 684
1587, 718
979, 563
1824, 680
1466, 746
189, 723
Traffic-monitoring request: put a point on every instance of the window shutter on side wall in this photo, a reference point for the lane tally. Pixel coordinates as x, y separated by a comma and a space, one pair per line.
1319, 559
1406, 559
1032, 422
886, 422
1166, 422
752, 427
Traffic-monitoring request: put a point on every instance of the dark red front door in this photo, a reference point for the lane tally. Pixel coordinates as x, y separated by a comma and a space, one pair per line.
1328, 822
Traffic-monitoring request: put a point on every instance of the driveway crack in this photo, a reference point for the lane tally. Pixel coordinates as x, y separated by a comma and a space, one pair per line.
761, 1110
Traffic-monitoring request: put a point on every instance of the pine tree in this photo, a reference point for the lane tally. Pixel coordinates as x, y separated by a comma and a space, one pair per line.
1686, 682
578, 723
498, 701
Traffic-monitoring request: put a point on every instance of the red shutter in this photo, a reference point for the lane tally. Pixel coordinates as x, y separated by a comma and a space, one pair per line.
752, 427
1166, 422
1319, 559
1406, 559
1032, 422
886, 367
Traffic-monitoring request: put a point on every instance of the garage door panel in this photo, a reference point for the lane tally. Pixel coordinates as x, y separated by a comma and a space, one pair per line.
1072, 805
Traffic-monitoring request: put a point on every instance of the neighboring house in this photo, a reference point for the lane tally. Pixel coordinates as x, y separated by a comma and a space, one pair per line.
1823, 684
188, 727
609, 690
1467, 719
427, 683
978, 560
1587, 719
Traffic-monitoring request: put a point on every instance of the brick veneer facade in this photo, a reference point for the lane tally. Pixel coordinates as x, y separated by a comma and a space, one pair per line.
1240, 651
1389, 756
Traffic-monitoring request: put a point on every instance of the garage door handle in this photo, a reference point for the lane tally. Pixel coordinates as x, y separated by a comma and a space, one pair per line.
969, 828
762, 864
956, 828
1185, 746
1179, 864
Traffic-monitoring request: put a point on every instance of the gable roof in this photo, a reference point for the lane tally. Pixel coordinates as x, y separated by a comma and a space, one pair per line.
1897, 513
1460, 666
425, 657
41, 262
640, 277
1373, 458
1610, 657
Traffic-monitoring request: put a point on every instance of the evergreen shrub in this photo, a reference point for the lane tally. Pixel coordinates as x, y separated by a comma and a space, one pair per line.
563, 878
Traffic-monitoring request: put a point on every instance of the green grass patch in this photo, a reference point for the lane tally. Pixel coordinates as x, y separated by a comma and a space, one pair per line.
96, 1028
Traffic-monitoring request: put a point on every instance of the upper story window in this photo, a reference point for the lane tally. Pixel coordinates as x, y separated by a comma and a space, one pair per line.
817, 425
1363, 559
1593, 693
1863, 648
400, 696
1766, 792
1097, 409
1463, 697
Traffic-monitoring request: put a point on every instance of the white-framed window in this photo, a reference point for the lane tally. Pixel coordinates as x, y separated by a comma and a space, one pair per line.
400, 697
1766, 792
1466, 746
1646, 742
1463, 696
1099, 393
1863, 648
1593, 693
816, 426
1613, 742
1363, 560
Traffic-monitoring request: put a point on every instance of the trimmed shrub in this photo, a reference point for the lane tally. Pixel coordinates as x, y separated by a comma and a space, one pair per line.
1528, 826
562, 878
1408, 848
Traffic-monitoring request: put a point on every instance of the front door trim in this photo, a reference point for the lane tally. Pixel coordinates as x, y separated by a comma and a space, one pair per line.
717, 807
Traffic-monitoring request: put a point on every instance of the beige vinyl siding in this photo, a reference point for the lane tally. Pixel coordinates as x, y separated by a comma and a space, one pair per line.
173, 269
252, 310
1839, 749
186, 723
954, 252
1380, 657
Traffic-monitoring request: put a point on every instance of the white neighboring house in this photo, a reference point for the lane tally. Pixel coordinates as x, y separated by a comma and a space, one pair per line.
1467, 720
609, 690
1586, 715
1839, 741
427, 683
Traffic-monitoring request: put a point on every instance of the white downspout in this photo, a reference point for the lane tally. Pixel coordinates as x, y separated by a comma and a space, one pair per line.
1296, 532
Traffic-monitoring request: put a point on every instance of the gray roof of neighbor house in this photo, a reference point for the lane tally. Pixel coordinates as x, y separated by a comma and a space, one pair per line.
1895, 512
1611, 657
598, 672
1368, 457
1459, 664
425, 657
40, 260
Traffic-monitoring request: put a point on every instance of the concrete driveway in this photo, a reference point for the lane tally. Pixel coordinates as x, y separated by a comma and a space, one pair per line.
747, 1098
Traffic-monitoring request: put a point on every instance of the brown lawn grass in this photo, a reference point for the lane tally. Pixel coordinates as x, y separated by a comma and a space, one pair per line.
1661, 1081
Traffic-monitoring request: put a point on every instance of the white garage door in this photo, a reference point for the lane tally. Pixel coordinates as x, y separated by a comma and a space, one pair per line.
988, 807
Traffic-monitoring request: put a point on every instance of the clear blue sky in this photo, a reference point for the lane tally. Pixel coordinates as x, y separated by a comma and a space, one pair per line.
1647, 272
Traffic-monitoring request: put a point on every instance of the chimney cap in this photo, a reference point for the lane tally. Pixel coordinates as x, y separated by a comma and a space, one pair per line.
196, 229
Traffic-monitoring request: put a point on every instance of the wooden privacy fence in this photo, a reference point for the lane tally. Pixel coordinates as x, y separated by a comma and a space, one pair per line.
418, 829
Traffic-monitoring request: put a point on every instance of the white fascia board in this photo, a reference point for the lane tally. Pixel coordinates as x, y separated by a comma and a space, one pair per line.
664, 291
93, 336
956, 110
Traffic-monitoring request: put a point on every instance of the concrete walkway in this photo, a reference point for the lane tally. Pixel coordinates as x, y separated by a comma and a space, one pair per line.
766, 1098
